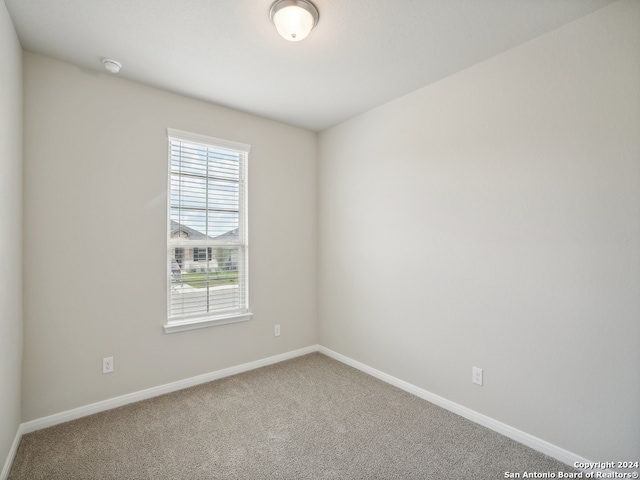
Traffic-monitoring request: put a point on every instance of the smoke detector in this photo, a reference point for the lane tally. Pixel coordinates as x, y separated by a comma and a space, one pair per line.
112, 65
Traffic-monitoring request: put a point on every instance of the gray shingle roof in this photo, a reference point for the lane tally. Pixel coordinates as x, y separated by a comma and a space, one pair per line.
196, 235
191, 233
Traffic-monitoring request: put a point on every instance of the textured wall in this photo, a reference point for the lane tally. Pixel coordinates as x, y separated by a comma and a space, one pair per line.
493, 219
95, 226
10, 232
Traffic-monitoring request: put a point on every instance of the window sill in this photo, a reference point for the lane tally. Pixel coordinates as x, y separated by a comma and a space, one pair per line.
192, 324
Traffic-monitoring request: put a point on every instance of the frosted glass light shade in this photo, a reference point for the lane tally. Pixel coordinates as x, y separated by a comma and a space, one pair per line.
294, 19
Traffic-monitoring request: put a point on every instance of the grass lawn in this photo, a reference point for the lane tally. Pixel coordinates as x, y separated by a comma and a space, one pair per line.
200, 280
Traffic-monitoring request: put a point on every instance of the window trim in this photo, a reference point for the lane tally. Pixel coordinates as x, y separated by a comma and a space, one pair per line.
203, 322
208, 320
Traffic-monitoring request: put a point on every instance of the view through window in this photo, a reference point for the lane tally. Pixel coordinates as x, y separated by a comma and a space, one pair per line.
207, 248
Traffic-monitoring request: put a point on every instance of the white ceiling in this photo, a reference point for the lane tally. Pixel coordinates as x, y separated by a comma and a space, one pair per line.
362, 53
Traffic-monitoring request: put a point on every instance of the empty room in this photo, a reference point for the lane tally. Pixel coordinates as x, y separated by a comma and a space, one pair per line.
319, 239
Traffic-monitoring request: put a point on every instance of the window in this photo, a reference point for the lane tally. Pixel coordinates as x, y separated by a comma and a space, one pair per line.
201, 254
179, 255
207, 248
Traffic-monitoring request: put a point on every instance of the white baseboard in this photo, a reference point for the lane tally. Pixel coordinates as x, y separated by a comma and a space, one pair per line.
535, 443
12, 454
110, 403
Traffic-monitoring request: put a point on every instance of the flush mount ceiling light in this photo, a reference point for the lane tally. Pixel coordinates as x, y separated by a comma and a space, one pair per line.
111, 65
294, 19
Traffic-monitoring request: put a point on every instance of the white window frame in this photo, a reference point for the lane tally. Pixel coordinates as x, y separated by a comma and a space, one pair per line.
202, 320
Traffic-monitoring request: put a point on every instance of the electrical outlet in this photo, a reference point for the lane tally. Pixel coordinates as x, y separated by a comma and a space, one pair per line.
276, 331
476, 376
107, 365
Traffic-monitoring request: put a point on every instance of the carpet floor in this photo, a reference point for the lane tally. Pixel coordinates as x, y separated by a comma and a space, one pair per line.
306, 418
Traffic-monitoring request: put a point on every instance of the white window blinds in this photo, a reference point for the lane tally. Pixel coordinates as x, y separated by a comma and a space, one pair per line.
207, 248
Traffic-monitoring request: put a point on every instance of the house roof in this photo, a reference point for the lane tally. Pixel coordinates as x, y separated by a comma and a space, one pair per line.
191, 233
194, 234
231, 234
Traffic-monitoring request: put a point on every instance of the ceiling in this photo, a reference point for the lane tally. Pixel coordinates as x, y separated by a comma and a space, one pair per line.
361, 54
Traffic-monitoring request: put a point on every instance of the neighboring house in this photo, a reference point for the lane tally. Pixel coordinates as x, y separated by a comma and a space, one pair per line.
228, 257
203, 258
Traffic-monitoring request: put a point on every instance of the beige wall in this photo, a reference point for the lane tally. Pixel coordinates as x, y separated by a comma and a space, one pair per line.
10, 232
95, 165
493, 219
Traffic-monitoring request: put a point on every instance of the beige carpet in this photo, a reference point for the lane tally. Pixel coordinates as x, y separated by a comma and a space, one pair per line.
307, 418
